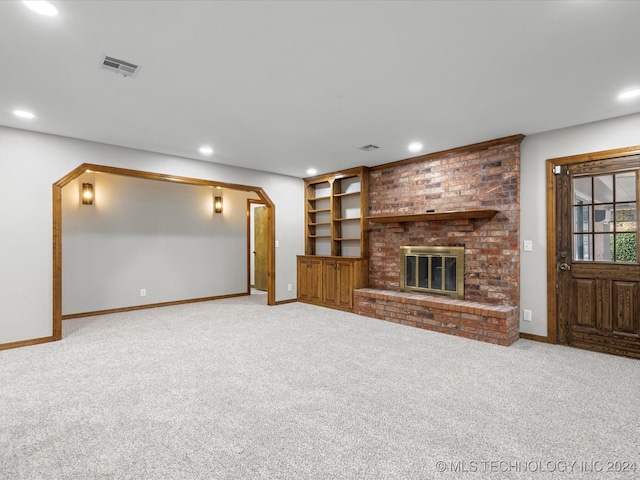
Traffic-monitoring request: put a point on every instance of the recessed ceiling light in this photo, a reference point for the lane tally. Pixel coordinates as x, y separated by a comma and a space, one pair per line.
23, 114
311, 171
629, 94
204, 150
42, 7
415, 147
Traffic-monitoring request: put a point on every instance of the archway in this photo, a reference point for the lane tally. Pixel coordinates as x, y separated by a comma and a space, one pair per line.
57, 225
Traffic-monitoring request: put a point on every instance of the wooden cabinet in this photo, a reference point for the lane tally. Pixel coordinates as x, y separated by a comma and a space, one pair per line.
330, 281
336, 238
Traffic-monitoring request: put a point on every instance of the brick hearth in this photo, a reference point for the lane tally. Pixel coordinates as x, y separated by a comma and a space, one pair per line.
496, 324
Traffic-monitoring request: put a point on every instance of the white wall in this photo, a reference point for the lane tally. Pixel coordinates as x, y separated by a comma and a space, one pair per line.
31, 162
160, 236
535, 150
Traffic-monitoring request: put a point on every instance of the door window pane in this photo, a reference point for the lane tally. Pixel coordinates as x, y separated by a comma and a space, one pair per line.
603, 218
626, 247
582, 190
582, 247
603, 189
626, 187
626, 217
603, 247
582, 219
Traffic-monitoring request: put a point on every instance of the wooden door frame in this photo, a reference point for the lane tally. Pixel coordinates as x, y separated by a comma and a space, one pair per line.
552, 306
88, 167
251, 201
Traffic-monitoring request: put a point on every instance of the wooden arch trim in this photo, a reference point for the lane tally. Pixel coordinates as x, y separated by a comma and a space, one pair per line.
85, 167
552, 306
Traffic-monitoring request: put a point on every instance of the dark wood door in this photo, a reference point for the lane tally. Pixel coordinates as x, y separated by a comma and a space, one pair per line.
597, 269
261, 248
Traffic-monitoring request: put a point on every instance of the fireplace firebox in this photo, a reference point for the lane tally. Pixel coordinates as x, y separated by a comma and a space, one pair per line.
437, 270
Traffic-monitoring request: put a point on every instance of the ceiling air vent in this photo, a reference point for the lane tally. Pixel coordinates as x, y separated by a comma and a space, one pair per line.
368, 148
123, 68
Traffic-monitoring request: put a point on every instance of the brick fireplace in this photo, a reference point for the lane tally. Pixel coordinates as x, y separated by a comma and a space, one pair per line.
481, 176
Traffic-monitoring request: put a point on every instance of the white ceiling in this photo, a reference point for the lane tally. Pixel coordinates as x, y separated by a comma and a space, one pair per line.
283, 86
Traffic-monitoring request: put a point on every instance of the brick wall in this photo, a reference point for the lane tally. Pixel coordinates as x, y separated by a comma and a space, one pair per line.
487, 177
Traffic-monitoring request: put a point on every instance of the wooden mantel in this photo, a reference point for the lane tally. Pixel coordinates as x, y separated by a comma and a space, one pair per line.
431, 216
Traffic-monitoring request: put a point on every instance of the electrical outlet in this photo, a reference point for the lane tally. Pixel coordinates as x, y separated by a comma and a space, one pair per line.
527, 246
526, 315
290, 287
143, 292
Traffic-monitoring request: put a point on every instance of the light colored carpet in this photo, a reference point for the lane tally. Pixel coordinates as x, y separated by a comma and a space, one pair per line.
233, 389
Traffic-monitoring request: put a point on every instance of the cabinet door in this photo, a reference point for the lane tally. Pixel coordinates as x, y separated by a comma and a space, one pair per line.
338, 283
310, 280
330, 283
345, 284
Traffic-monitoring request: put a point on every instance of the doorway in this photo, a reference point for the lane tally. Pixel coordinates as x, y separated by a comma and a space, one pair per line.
593, 267
258, 230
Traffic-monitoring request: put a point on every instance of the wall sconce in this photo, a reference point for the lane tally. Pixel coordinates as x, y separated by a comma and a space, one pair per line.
87, 194
217, 204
